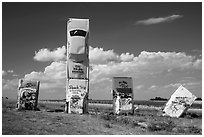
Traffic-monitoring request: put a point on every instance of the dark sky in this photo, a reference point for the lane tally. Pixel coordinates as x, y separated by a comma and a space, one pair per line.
28, 27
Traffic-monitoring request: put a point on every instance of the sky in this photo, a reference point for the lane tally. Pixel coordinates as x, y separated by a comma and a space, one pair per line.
159, 45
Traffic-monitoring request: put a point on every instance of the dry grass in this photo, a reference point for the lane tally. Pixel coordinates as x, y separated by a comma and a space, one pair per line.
51, 120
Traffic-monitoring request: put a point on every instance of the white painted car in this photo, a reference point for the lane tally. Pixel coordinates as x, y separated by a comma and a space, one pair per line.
77, 45
179, 102
78, 35
77, 65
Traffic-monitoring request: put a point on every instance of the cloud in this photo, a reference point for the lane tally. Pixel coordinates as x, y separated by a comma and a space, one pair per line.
126, 57
14, 75
198, 64
139, 87
4, 73
184, 83
9, 84
47, 55
167, 60
10, 71
146, 63
96, 55
107, 64
52, 79
158, 20
153, 87
99, 56
54, 76
147, 70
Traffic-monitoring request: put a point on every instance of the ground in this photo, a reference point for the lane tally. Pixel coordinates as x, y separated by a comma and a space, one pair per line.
51, 120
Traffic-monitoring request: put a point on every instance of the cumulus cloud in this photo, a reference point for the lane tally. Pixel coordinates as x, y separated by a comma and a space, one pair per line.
126, 57
145, 63
6, 72
183, 83
168, 60
106, 64
153, 87
3, 73
99, 56
9, 84
10, 71
198, 64
47, 55
139, 87
96, 55
52, 77
158, 20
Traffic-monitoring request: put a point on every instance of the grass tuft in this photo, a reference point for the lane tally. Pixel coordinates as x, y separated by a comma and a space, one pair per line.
158, 126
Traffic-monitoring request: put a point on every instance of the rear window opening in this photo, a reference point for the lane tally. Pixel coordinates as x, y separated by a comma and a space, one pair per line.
78, 33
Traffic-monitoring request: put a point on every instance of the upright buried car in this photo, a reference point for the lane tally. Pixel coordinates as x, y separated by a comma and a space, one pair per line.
28, 92
77, 65
122, 90
78, 49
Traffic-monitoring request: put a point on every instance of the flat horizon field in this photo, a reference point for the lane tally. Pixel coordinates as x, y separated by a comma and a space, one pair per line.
51, 120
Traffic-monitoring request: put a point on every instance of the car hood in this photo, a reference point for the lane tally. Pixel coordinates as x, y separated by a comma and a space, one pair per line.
77, 45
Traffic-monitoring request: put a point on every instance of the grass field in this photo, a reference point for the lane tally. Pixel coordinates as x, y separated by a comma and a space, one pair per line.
196, 105
51, 120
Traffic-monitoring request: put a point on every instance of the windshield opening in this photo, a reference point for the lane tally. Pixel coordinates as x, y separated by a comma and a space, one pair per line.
78, 33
